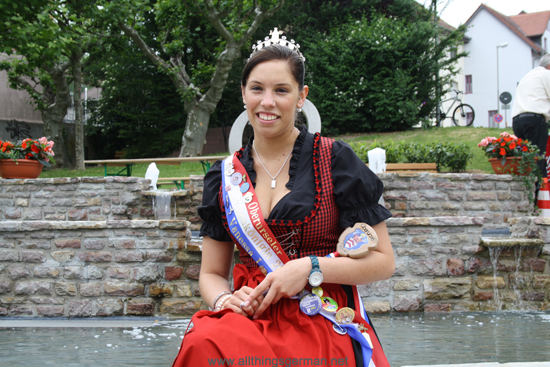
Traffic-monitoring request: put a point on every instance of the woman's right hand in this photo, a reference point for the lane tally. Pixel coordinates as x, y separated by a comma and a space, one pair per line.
239, 297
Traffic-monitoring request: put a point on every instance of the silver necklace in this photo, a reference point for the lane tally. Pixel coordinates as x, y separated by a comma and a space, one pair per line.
273, 178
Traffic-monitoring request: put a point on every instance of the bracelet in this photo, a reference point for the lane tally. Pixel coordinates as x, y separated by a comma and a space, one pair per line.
222, 302
218, 297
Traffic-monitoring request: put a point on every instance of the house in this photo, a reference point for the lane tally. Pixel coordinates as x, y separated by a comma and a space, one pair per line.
502, 50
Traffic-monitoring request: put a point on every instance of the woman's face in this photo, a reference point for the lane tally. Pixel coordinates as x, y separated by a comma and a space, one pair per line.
271, 96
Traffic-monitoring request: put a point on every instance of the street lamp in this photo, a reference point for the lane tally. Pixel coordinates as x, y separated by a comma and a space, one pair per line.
502, 45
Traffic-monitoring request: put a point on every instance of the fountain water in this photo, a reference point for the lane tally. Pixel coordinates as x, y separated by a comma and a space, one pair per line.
161, 204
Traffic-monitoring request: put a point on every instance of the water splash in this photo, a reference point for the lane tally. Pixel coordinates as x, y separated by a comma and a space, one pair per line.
517, 256
494, 253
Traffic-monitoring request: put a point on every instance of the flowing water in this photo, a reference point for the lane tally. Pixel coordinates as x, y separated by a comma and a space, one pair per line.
408, 339
161, 205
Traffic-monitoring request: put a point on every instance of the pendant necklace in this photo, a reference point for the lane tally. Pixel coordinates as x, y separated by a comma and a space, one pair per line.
273, 178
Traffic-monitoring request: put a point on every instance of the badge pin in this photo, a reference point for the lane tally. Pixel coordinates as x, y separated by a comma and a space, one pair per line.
318, 291
229, 172
248, 197
244, 187
236, 178
228, 188
339, 330
345, 315
310, 304
329, 304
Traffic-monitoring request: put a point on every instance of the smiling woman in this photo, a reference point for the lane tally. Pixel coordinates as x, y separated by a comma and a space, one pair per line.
308, 190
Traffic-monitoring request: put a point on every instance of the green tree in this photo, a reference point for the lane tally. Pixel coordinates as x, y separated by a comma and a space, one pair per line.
199, 41
45, 42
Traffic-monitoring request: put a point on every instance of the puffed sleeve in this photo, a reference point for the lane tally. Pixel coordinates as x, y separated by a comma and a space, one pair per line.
210, 212
356, 187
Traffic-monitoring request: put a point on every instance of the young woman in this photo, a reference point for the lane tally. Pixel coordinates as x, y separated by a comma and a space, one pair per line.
307, 189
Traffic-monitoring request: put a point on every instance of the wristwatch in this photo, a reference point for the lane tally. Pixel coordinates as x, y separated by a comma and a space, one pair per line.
315, 277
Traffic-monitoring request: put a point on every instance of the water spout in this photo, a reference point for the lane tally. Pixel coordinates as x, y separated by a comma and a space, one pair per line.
161, 205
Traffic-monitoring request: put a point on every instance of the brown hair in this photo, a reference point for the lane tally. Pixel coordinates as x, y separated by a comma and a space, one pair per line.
276, 52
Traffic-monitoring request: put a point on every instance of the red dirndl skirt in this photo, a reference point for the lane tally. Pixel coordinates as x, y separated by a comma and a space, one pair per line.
283, 334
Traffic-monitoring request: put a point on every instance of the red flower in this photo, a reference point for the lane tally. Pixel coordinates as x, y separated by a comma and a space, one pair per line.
520, 141
502, 151
512, 145
35, 149
524, 149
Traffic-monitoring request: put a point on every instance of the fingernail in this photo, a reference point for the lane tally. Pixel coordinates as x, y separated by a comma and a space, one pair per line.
246, 303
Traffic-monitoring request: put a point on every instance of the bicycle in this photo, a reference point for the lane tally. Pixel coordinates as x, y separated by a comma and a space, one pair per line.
463, 115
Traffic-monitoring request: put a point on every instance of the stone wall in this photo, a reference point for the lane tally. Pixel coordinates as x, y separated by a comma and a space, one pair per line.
93, 247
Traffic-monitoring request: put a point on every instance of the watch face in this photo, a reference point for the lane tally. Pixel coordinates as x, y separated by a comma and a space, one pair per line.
315, 279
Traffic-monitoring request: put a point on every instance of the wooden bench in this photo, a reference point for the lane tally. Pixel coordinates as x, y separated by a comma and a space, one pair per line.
419, 167
128, 163
178, 181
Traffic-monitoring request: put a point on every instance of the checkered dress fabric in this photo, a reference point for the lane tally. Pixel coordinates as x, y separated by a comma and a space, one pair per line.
316, 234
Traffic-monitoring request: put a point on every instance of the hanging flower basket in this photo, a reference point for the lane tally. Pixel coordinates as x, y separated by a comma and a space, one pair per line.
23, 168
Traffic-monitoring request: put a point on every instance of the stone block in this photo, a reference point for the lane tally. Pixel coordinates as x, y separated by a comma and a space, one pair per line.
121, 273
123, 244
472, 250
428, 266
65, 289
172, 272
160, 290
140, 307
123, 289
539, 281
50, 311
95, 256
130, 256
537, 265
12, 256
401, 267
107, 307
147, 273
184, 290
62, 256
481, 265
406, 285
179, 307
18, 273
160, 256
455, 267
12, 213
94, 244
90, 290
33, 244
482, 296
377, 307
193, 271
21, 311
33, 287
533, 296
32, 213
437, 250
33, 257
406, 303
79, 308
378, 289
447, 288
519, 281
158, 244
437, 307
78, 214
488, 282
411, 251
5, 286
73, 272
46, 272
7, 244
70, 243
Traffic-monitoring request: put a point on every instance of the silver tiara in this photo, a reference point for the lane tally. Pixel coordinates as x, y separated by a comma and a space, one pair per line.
275, 40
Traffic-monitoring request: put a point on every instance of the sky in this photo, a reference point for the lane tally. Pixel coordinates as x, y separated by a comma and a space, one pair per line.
458, 11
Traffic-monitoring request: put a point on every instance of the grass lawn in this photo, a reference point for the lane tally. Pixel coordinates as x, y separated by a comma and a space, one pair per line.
469, 135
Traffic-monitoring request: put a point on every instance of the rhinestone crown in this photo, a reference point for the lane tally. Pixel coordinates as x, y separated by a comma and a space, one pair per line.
276, 40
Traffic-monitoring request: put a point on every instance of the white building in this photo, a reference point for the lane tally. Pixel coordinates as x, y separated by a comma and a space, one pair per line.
500, 47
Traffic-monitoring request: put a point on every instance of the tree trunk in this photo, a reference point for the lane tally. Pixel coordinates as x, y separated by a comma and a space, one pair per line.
79, 123
194, 136
57, 106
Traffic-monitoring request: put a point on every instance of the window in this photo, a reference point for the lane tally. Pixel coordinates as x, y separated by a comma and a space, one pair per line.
468, 84
545, 48
453, 53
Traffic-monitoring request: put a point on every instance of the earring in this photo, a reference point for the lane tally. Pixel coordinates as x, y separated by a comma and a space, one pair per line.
244, 106
299, 109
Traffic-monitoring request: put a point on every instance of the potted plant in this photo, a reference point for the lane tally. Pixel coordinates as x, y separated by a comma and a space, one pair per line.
25, 159
513, 155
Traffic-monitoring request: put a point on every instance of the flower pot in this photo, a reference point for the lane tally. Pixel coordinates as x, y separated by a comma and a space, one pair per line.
511, 166
24, 168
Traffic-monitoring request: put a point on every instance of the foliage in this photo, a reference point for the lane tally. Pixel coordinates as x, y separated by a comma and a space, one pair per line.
454, 157
36, 150
139, 112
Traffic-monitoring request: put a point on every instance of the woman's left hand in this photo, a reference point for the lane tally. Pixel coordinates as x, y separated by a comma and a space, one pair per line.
286, 281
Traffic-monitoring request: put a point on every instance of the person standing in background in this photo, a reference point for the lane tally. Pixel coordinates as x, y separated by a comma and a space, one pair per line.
531, 108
